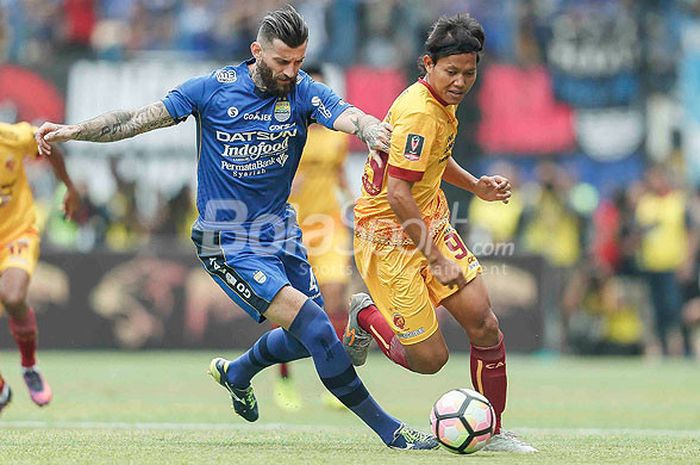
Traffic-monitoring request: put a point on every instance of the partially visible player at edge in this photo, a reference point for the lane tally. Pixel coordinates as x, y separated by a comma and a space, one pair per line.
318, 185
252, 123
19, 249
408, 254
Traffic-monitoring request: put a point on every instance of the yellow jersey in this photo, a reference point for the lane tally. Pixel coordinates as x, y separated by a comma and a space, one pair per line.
498, 219
317, 180
421, 144
662, 219
16, 200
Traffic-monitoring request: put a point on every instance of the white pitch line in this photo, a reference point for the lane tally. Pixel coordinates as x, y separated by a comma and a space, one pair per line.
150, 425
608, 431
294, 427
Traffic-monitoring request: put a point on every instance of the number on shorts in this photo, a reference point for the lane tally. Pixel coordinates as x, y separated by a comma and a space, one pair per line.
455, 245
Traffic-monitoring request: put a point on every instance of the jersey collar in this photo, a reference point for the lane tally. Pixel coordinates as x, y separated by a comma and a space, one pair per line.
432, 92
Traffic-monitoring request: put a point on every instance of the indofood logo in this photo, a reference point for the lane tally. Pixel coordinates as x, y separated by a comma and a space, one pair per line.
255, 144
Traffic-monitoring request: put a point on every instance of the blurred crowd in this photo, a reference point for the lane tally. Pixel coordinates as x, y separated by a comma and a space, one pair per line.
625, 269
342, 31
591, 107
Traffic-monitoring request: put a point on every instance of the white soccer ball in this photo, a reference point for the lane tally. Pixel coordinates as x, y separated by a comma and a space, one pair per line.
463, 421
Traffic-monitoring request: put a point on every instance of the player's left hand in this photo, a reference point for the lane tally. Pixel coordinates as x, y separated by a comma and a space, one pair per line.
378, 136
493, 188
71, 203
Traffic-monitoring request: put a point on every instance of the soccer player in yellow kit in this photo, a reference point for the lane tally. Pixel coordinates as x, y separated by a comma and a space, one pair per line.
408, 254
319, 187
19, 248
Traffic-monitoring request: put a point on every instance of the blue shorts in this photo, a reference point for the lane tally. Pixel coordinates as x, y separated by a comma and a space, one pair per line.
252, 275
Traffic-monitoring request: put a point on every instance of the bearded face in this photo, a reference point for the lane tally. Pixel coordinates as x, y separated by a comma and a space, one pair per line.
278, 84
277, 66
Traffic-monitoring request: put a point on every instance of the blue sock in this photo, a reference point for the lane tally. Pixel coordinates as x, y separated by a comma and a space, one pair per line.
275, 346
311, 332
315, 331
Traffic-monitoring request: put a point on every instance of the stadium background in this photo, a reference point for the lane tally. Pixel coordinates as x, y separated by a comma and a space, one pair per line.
576, 100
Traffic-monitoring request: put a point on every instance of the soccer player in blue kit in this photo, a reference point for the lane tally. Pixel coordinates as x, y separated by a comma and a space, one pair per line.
252, 122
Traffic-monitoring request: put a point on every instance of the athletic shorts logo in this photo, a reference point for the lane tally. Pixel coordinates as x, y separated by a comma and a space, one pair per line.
227, 76
259, 277
410, 334
414, 147
283, 111
399, 321
232, 112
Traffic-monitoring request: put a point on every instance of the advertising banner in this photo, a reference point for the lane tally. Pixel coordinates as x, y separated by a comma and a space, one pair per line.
127, 301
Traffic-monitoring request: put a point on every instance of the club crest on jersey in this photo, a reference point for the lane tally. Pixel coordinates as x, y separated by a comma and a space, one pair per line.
414, 147
226, 76
283, 110
399, 321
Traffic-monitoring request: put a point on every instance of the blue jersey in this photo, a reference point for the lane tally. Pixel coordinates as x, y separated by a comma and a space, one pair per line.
249, 143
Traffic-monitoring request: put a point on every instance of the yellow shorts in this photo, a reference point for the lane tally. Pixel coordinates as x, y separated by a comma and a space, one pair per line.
21, 252
327, 243
402, 286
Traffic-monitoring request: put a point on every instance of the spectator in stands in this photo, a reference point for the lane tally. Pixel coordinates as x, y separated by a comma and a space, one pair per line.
497, 222
552, 227
599, 318
665, 249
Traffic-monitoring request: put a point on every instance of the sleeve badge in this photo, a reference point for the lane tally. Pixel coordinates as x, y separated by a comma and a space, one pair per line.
414, 147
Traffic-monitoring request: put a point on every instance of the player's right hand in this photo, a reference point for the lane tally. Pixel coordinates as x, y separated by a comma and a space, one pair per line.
378, 136
50, 133
448, 273
71, 203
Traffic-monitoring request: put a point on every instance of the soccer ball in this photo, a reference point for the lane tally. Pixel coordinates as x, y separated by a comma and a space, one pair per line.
463, 421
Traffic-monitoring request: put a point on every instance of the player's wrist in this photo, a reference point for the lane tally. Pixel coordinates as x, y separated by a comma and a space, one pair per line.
471, 184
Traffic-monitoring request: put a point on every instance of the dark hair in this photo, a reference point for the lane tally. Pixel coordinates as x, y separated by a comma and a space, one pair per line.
453, 35
285, 24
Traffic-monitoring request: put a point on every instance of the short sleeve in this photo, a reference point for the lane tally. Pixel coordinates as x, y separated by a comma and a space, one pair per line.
325, 105
186, 99
411, 141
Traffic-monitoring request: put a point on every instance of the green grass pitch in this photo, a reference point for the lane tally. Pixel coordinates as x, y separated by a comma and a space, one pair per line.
161, 408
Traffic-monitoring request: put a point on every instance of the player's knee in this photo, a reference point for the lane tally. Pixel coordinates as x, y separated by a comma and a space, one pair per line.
431, 364
485, 331
321, 331
13, 298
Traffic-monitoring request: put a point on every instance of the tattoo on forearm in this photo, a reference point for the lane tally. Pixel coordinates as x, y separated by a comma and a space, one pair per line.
121, 124
360, 127
356, 122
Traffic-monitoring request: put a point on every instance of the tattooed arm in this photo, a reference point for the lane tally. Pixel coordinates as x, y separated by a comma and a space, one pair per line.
376, 134
108, 127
